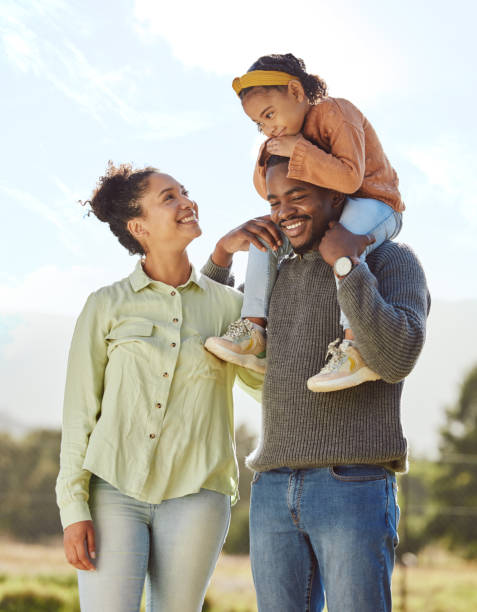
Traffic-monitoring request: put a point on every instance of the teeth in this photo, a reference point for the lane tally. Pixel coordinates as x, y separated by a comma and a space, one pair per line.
289, 227
187, 219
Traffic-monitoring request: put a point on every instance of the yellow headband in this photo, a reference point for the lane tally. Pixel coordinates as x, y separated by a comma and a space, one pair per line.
257, 78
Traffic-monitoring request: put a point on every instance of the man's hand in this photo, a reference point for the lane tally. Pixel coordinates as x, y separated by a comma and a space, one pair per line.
79, 538
283, 145
340, 242
240, 239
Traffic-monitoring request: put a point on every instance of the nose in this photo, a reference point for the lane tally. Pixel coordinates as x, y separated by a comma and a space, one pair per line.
282, 211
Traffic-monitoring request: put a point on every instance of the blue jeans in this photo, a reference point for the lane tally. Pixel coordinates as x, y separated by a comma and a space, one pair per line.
360, 216
174, 545
323, 532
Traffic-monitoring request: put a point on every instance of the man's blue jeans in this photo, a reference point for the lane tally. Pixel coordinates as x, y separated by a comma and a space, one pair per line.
323, 530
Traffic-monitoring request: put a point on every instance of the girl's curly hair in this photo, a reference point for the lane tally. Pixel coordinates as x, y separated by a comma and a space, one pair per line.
314, 86
116, 200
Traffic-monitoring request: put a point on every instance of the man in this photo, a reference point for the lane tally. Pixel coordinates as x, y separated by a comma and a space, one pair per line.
323, 516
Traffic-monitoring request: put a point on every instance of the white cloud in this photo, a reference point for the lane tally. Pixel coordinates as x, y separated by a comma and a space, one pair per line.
337, 41
55, 59
53, 290
450, 179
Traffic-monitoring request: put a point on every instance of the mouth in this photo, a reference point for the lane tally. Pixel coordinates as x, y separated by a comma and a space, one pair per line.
293, 227
189, 219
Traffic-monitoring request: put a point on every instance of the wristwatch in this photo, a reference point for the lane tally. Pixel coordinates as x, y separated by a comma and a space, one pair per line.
343, 266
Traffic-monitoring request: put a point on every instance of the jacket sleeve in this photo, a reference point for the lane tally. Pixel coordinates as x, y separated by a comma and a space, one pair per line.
81, 409
260, 171
387, 311
342, 169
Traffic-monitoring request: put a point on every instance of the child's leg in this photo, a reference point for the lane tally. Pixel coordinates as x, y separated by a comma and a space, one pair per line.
368, 216
260, 279
243, 342
346, 367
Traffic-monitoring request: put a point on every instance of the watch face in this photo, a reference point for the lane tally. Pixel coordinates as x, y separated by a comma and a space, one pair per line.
343, 266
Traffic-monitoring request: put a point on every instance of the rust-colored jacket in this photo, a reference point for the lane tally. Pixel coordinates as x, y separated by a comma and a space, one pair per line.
339, 150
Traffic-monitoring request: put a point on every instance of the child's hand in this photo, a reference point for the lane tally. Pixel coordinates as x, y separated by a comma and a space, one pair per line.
283, 145
340, 242
240, 239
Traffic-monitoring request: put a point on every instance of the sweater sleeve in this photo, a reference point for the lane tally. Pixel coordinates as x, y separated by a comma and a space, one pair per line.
387, 311
81, 409
217, 273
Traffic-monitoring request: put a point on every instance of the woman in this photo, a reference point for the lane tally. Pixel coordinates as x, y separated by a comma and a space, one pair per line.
147, 456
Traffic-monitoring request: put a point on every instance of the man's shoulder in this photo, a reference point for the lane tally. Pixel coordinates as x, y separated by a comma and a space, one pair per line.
391, 257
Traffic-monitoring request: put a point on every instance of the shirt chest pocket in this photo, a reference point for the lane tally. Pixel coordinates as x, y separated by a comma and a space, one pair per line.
131, 337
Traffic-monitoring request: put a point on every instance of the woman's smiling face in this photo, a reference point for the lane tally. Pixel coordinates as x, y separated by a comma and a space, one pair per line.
169, 217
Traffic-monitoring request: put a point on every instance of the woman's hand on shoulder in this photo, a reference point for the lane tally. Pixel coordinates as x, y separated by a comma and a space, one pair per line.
240, 239
78, 540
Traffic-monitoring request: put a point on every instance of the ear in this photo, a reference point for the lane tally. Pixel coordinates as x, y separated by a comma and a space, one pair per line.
136, 228
338, 199
295, 88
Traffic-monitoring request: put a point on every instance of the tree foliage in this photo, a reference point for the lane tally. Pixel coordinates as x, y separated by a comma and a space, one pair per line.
28, 470
455, 488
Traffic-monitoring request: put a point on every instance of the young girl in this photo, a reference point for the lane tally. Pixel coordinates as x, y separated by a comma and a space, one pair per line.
331, 144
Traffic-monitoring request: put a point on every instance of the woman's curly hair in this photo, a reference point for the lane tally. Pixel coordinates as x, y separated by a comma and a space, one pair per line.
116, 200
314, 86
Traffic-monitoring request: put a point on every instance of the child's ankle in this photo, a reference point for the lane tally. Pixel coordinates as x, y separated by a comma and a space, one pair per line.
348, 334
258, 321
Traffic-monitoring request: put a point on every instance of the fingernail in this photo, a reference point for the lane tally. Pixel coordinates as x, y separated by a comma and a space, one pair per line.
93, 555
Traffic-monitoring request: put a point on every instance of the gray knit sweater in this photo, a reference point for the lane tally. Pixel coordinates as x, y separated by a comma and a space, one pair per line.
386, 302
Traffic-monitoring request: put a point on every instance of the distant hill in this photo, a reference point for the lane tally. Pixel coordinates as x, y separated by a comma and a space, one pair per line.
33, 364
12, 426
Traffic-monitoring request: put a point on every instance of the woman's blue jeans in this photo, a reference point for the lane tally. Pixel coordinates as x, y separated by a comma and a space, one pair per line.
174, 545
323, 532
360, 216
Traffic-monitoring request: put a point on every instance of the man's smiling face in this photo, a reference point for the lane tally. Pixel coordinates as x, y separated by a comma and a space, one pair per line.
301, 210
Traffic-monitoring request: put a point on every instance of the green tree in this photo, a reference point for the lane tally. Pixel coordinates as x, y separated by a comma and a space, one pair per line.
28, 470
237, 541
455, 488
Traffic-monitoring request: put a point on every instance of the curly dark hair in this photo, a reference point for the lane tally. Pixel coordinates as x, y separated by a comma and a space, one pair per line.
314, 86
116, 200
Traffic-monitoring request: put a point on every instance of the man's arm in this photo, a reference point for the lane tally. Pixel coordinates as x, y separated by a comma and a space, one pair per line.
387, 310
256, 231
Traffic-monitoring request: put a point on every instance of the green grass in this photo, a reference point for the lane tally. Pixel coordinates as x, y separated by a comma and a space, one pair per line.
28, 583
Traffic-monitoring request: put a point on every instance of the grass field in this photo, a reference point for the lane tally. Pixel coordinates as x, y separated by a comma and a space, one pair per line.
36, 578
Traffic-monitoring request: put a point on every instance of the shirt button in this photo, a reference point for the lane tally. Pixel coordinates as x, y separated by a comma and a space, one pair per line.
173, 292
173, 344
174, 320
158, 405
165, 375
152, 436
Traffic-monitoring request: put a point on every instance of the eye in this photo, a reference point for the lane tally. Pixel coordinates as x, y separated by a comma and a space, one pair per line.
269, 115
185, 193
259, 127
298, 198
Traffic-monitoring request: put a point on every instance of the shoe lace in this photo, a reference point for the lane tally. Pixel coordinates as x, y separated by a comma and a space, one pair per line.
238, 328
335, 356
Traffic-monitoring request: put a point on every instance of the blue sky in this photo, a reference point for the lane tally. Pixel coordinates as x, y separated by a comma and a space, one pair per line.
85, 81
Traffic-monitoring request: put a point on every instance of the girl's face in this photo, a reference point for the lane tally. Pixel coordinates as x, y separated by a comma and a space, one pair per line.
170, 217
277, 113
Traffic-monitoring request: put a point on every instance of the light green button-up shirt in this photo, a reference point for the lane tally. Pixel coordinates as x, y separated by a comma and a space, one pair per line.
146, 407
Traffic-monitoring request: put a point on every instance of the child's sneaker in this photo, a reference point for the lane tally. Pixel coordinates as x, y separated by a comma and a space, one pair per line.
243, 344
344, 369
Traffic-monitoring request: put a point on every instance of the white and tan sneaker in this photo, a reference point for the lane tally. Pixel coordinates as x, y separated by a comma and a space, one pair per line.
345, 368
243, 343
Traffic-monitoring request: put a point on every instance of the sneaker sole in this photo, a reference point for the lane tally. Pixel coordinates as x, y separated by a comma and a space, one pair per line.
359, 377
246, 361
